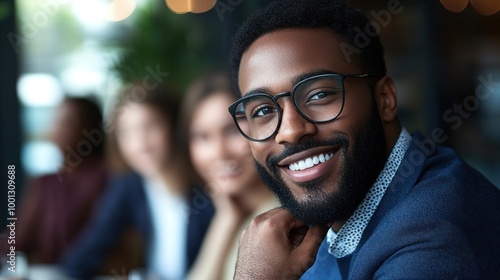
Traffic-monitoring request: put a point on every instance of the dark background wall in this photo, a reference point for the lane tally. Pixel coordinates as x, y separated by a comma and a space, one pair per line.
10, 136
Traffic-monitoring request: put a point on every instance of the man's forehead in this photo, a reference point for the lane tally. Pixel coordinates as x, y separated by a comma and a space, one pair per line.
278, 58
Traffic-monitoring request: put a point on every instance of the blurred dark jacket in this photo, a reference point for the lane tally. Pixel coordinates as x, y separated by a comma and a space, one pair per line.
124, 206
56, 208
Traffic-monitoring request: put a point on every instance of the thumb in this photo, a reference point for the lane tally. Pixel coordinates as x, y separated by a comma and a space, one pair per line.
306, 252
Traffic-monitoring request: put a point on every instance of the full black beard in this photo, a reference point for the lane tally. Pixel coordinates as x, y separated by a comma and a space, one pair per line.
359, 170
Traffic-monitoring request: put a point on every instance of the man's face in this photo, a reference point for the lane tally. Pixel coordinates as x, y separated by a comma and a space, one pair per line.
331, 190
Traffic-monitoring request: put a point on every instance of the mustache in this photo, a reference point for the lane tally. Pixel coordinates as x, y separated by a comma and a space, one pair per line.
338, 140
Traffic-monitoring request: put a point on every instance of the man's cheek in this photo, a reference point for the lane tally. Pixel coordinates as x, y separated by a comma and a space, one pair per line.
259, 152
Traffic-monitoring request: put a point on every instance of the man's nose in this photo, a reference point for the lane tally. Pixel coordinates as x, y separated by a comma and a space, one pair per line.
294, 128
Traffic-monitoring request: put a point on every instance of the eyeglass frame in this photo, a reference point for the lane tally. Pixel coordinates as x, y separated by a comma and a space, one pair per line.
291, 93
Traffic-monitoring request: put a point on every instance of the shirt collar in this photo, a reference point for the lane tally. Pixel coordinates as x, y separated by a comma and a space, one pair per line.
347, 239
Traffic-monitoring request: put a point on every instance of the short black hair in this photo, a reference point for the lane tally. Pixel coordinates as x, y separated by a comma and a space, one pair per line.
90, 115
337, 15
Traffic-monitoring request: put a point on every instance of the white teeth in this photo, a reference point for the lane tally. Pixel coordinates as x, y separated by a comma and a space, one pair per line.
309, 162
322, 158
315, 160
302, 165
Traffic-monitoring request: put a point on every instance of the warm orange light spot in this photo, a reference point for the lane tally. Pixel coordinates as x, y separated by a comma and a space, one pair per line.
190, 6
178, 6
486, 7
120, 9
455, 6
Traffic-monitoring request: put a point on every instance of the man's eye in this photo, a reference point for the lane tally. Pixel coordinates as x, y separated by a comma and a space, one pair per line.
323, 96
319, 95
262, 111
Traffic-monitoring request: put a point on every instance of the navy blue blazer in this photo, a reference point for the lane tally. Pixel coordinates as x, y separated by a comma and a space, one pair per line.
122, 207
439, 219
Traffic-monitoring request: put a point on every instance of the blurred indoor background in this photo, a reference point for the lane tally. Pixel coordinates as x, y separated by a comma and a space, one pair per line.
446, 66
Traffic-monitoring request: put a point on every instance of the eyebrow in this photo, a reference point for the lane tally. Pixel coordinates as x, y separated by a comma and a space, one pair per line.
313, 73
295, 80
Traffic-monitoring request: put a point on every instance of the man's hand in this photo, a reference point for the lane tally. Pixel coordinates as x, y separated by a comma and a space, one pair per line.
277, 246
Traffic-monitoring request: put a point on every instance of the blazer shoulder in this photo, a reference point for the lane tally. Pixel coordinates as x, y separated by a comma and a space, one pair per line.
445, 222
434, 173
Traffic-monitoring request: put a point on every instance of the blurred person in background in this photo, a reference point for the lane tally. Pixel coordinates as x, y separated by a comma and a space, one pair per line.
153, 196
222, 158
56, 207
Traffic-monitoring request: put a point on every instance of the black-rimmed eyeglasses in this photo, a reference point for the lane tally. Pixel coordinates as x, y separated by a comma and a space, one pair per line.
317, 99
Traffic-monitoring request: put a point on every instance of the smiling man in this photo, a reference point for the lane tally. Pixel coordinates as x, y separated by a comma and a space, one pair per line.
326, 139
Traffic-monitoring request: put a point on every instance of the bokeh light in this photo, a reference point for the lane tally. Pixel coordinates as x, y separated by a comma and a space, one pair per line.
39, 90
455, 6
190, 6
486, 7
483, 7
120, 9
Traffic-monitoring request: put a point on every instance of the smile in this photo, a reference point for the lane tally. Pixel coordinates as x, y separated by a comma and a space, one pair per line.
310, 162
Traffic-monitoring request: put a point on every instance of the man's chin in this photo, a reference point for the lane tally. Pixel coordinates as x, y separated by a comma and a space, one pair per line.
305, 215
313, 207
311, 202
310, 188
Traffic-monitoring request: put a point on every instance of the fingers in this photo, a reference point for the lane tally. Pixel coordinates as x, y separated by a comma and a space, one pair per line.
241, 237
308, 249
296, 235
276, 243
279, 221
280, 213
279, 217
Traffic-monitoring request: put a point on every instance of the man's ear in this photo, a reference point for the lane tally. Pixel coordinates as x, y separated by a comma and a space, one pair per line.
386, 96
